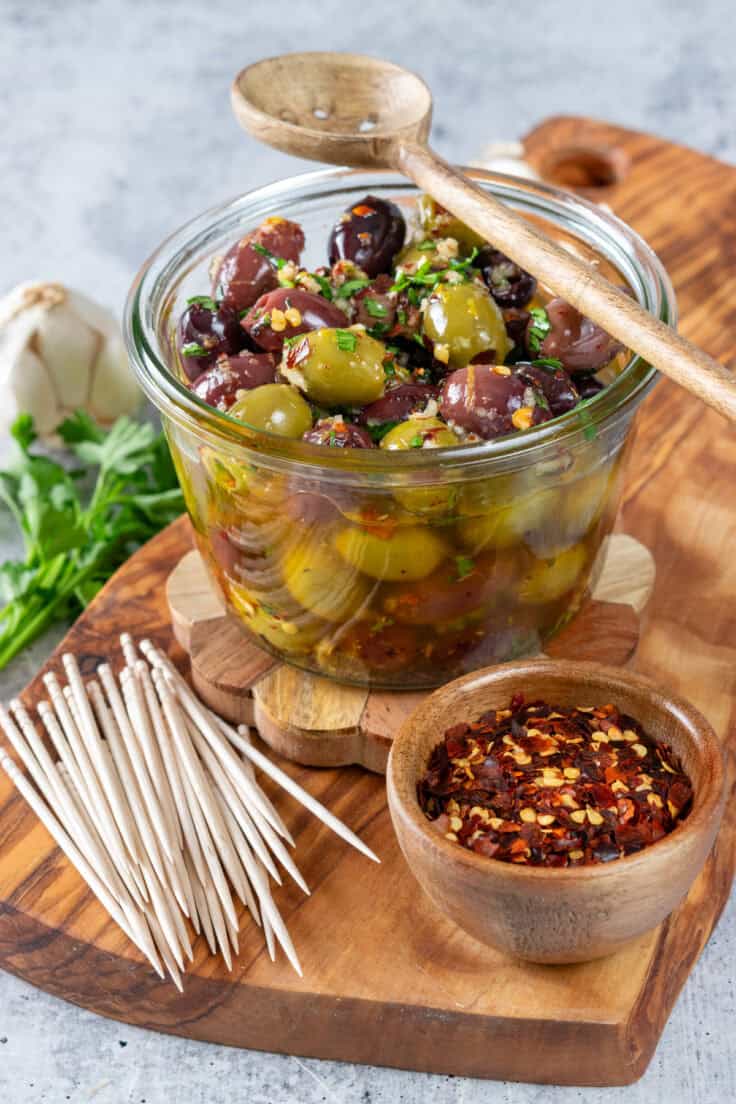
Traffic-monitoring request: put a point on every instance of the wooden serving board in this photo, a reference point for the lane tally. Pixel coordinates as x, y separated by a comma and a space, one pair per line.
388, 980
321, 723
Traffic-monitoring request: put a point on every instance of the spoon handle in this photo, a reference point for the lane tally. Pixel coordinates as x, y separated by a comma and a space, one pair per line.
577, 282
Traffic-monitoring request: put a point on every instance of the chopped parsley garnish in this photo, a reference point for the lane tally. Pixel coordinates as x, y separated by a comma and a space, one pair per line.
346, 340
379, 329
389, 368
289, 341
277, 262
333, 437
426, 246
381, 624
193, 350
374, 308
202, 301
416, 441
401, 315
539, 328
350, 287
324, 285
378, 432
551, 363
465, 566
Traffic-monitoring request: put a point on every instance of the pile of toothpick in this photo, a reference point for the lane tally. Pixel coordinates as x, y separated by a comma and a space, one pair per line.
154, 800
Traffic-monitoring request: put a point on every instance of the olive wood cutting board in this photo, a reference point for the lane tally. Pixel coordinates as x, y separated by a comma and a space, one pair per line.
388, 980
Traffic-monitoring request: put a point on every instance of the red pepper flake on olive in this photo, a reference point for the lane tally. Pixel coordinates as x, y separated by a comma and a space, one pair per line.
542, 785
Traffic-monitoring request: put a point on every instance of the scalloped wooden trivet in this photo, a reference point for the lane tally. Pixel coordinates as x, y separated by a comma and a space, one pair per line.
321, 723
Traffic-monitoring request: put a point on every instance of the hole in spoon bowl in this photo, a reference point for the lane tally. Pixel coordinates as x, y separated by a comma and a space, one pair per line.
320, 113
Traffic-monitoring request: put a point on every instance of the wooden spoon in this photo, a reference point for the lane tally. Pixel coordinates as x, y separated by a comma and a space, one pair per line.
354, 110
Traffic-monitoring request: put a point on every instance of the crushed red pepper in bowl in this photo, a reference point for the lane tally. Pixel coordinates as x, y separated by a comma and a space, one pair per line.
548, 786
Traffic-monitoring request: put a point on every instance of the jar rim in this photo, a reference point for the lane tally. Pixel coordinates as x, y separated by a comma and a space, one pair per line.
599, 228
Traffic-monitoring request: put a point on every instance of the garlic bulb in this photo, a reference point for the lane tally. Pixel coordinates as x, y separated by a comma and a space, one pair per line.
59, 352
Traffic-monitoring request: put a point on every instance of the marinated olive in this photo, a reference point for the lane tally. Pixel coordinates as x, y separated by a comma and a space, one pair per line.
419, 433
398, 403
338, 433
276, 408
406, 553
337, 367
205, 332
372, 645
437, 222
248, 269
516, 323
285, 313
509, 285
370, 233
322, 581
219, 385
506, 523
572, 512
461, 320
550, 579
552, 382
294, 636
490, 401
588, 386
577, 342
456, 589
374, 307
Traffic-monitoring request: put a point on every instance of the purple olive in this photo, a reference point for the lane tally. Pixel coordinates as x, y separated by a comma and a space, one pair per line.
576, 341
374, 307
516, 322
219, 385
206, 331
338, 433
489, 401
245, 273
554, 383
509, 285
370, 234
398, 404
301, 310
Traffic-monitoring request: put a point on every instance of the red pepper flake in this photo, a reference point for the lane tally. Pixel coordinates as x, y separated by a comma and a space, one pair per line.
549, 786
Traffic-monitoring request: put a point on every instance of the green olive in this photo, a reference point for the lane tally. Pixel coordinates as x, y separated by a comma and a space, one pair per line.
579, 505
337, 367
436, 222
295, 636
323, 582
462, 320
410, 552
508, 523
417, 433
411, 256
276, 408
550, 579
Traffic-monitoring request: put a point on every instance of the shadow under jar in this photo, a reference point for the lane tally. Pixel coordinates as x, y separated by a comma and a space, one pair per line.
381, 568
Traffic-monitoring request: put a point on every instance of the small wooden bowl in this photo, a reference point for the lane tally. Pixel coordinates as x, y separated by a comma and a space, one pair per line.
571, 914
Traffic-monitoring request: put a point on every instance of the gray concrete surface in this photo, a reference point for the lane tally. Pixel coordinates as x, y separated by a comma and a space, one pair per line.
115, 129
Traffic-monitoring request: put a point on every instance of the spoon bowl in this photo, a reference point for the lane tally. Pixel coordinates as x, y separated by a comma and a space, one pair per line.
343, 108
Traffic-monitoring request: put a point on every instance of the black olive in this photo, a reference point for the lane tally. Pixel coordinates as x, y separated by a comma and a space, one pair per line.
204, 333
509, 285
553, 382
338, 433
370, 234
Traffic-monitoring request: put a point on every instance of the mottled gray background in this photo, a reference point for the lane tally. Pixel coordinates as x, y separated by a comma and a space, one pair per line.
115, 129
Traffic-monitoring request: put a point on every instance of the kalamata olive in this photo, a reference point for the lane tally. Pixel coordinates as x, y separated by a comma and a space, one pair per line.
490, 401
461, 320
370, 233
248, 269
219, 385
379, 645
419, 433
374, 307
410, 552
554, 383
338, 433
398, 403
337, 367
277, 408
321, 581
588, 386
509, 285
455, 590
204, 333
577, 342
437, 222
516, 322
287, 312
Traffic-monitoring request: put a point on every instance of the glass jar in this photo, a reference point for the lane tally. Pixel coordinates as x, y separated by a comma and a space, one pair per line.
400, 570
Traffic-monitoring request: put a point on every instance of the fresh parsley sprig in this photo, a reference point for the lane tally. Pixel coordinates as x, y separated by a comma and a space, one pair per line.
72, 546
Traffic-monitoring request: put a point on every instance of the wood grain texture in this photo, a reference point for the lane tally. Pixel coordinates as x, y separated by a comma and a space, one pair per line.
556, 916
394, 981
323, 724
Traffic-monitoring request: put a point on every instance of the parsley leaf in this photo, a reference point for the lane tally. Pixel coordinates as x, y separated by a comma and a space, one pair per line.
202, 301
72, 546
193, 350
346, 340
417, 441
378, 432
324, 285
277, 262
552, 363
350, 287
539, 328
374, 308
465, 566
